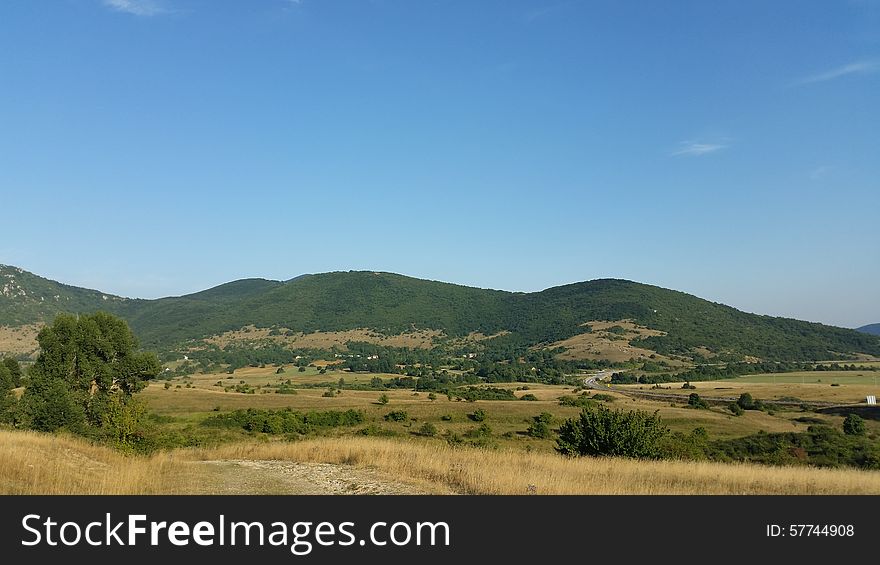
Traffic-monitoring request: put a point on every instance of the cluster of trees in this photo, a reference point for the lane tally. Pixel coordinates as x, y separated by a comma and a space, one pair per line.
84, 378
10, 378
285, 421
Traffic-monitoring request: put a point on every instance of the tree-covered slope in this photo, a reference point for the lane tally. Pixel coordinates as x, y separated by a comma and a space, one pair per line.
392, 304
26, 298
873, 329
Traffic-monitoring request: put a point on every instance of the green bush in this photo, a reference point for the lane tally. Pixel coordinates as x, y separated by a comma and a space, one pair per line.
736, 409
540, 426
600, 431
529, 396
428, 429
853, 425
396, 416
746, 402
694, 401
477, 415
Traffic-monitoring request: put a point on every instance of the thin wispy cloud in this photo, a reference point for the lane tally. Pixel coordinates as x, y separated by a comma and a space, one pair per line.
819, 172
696, 149
857, 68
143, 8
539, 13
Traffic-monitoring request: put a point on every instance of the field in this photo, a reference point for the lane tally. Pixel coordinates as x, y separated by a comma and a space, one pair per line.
508, 420
399, 459
848, 386
77, 467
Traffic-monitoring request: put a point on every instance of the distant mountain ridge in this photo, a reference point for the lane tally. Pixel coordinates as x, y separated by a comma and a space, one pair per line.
873, 329
392, 304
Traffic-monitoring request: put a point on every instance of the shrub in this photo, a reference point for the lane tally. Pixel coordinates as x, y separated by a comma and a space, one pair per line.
694, 401
428, 429
529, 396
746, 402
540, 426
735, 408
279, 371
484, 430
600, 431
477, 415
396, 416
301, 369
432, 396
854, 425
446, 418
383, 399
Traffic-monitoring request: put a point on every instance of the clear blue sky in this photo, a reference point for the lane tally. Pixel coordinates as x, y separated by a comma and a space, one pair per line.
729, 149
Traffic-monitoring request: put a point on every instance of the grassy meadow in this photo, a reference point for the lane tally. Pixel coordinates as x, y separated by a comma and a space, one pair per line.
508, 420
32, 463
507, 460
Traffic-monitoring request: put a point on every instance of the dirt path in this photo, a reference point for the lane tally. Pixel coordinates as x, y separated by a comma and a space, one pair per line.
287, 477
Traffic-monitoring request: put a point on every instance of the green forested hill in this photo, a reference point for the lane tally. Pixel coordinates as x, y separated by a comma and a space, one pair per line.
873, 329
26, 298
392, 304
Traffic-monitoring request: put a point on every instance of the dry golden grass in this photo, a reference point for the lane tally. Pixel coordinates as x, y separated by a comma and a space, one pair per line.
34, 463
474, 471
417, 339
602, 344
21, 340
851, 388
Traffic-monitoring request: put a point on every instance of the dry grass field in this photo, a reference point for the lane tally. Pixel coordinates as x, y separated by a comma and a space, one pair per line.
603, 344
508, 419
19, 340
417, 339
35, 463
850, 386
41, 464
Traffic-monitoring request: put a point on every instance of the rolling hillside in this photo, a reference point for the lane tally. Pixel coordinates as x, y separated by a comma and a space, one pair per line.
873, 329
392, 304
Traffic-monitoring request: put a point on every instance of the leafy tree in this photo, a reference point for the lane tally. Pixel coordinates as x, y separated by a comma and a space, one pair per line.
86, 363
746, 402
540, 426
694, 401
854, 425
600, 431
7, 397
14, 369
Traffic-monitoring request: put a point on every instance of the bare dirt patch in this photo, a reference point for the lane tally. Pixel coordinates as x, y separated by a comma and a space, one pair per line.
243, 476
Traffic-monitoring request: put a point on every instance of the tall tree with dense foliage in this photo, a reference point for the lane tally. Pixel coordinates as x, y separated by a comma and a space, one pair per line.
88, 365
10, 377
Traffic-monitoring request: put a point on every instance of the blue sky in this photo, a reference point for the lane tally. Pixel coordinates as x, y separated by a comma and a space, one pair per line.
727, 149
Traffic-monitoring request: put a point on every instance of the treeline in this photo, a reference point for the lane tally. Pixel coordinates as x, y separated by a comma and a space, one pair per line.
731, 370
285, 421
